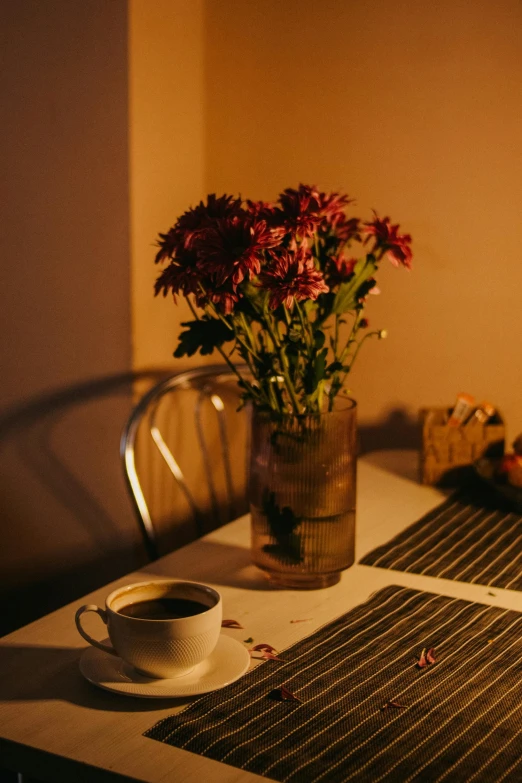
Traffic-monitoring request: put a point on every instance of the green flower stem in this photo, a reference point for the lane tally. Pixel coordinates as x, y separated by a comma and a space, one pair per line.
249, 333
242, 343
279, 395
283, 361
249, 352
320, 394
309, 341
252, 348
306, 332
220, 349
215, 312
244, 383
288, 321
367, 270
252, 351
351, 337
353, 357
287, 318
331, 398
192, 309
273, 397
338, 380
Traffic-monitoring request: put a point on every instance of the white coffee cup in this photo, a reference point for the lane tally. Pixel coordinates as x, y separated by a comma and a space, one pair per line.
160, 648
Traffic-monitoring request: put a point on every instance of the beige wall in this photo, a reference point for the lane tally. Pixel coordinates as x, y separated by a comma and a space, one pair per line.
415, 109
102, 146
65, 352
167, 155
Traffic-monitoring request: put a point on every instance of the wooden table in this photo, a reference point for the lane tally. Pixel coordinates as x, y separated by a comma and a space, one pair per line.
57, 727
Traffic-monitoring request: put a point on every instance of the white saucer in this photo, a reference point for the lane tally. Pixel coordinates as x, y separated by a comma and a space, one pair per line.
226, 664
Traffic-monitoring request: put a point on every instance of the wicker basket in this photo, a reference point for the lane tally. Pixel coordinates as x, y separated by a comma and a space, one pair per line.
447, 451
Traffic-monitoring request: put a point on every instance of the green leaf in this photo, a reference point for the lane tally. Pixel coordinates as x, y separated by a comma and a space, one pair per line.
264, 366
323, 301
282, 523
315, 372
309, 305
319, 338
202, 336
344, 298
360, 263
347, 296
252, 301
287, 549
334, 367
320, 366
365, 288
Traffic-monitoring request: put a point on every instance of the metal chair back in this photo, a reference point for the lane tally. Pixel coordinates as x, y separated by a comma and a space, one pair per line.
194, 415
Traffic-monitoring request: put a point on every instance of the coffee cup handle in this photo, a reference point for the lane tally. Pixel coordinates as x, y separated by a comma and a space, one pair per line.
93, 608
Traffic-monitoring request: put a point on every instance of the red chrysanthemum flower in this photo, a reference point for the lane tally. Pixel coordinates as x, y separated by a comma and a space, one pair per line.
333, 208
180, 277
193, 220
292, 275
189, 279
167, 245
261, 210
396, 246
348, 229
339, 269
233, 247
225, 298
300, 210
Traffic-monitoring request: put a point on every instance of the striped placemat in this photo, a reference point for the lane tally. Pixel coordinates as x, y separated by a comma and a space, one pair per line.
466, 538
459, 719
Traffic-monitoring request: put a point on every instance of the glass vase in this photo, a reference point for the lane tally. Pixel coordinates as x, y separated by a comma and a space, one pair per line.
302, 487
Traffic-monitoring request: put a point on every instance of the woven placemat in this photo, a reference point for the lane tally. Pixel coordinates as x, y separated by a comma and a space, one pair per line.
466, 538
368, 711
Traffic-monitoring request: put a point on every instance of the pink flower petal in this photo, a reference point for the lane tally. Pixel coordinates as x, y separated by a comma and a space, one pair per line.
268, 656
392, 703
231, 624
427, 657
286, 695
422, 662
267, 652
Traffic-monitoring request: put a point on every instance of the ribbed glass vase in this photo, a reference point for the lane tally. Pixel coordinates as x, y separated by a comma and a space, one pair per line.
302, 496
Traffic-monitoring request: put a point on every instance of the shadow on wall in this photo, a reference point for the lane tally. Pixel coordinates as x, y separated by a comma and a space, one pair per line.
396, 430
67, 525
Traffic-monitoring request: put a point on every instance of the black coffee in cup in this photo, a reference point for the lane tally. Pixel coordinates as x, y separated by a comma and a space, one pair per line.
188, 630
164, 608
